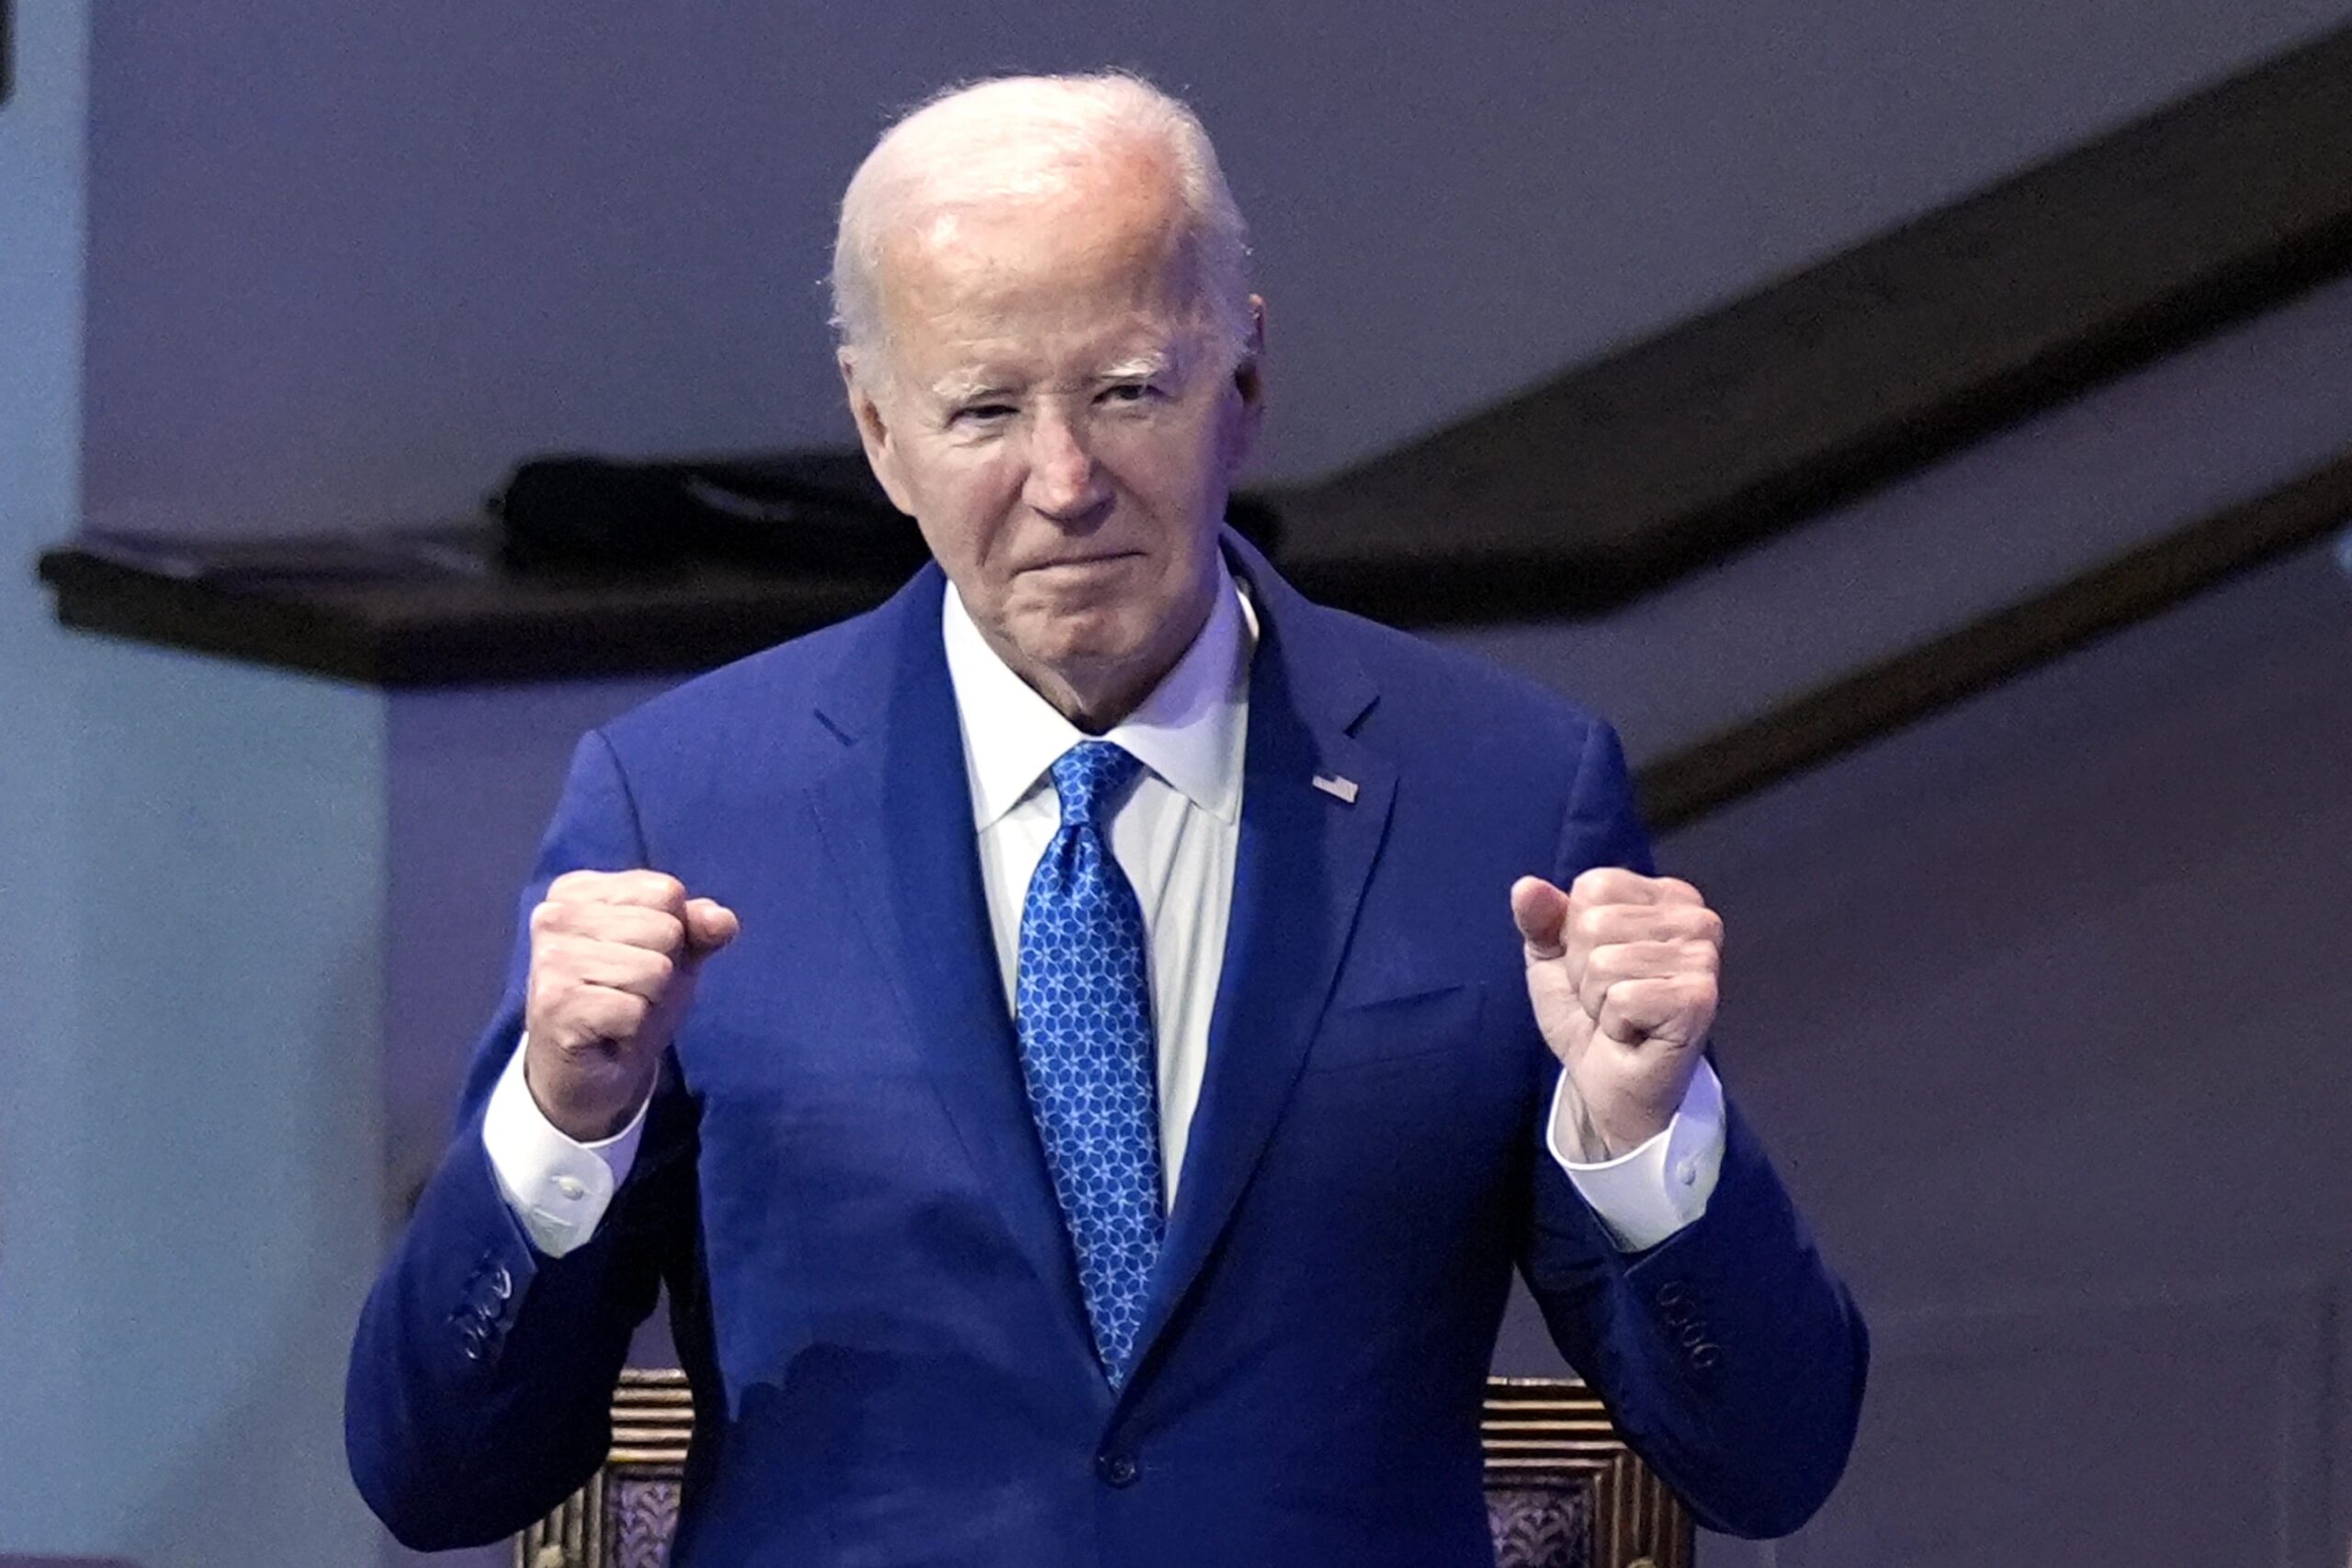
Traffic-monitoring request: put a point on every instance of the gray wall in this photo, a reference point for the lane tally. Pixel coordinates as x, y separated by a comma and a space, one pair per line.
2041, 1006
192, 1144
346, 262
227, 1148
44, 1428
188, 1145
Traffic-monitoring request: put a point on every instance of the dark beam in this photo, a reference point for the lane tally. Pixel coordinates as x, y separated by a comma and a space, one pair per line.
492, 625
1899, 692
1615, 477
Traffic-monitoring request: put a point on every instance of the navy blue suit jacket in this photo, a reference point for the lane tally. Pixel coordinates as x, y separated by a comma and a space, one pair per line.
840, 1183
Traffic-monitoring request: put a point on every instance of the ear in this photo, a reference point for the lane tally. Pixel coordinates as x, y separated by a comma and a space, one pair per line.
873, 431
1249, 390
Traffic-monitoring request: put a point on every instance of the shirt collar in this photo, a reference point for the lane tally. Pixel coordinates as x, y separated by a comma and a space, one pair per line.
1189, 731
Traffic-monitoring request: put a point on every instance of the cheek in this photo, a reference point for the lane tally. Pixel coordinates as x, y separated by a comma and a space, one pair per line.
963, 502
1172, 469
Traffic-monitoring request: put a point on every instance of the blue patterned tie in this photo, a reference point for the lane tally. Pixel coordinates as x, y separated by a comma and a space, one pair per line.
1083, 1008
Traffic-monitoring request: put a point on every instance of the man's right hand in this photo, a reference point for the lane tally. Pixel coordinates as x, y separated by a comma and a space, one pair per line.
614, 957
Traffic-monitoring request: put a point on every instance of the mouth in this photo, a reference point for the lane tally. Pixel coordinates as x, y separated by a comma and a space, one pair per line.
1079, 565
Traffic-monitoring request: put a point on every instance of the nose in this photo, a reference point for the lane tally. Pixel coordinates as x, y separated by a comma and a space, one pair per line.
1065, 483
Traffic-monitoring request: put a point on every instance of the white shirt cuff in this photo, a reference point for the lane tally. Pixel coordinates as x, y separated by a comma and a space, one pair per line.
1646, 1194
557, 1186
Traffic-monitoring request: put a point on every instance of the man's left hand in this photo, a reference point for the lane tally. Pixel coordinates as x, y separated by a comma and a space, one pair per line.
1622, 969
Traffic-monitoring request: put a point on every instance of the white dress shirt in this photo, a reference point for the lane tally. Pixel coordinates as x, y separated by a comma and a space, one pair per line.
1176, 835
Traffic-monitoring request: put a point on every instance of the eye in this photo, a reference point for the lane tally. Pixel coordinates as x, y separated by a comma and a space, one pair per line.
981, 414
1130, 392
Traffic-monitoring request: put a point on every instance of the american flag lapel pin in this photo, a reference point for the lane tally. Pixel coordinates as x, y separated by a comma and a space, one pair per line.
1340, 789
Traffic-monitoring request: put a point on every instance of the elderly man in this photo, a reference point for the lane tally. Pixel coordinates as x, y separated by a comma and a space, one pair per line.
1086, 1044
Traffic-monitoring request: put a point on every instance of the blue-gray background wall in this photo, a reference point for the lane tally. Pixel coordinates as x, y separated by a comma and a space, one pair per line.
189, 1165
45, 1484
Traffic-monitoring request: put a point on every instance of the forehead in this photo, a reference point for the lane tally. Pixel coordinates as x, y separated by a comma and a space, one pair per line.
1098, 263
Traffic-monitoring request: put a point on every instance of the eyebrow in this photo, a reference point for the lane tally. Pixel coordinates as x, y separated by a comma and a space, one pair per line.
965, 387
1140, 367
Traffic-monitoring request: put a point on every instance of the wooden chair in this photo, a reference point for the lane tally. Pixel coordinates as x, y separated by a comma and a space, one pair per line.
1562, 1491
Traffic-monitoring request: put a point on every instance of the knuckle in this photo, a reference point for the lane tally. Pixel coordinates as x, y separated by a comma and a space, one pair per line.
1629, 993
1593, 885
604, 923
547, 993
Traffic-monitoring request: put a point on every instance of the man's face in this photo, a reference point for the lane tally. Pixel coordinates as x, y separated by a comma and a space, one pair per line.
1058, 418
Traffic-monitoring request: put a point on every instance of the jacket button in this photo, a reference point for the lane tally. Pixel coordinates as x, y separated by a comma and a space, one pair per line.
1673, 1296
1706, 1358
1116, 1470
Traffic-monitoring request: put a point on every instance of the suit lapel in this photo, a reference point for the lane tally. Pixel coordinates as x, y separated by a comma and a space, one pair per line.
1304, 858
896, 816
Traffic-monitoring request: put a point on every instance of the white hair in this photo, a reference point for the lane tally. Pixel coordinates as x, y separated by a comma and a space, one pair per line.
1013, 136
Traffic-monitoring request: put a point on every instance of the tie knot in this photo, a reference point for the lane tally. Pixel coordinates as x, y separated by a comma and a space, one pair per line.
1088, 774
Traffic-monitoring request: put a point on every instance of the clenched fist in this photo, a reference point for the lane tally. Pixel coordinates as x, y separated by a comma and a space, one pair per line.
614, 957
1622, 969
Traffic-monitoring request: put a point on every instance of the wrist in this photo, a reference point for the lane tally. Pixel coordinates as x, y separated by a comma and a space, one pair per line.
585, 1111
1624, 1129
1618, 1123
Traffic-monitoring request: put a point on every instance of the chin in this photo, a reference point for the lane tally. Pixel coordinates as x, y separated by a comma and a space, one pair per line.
1083, 642
1092, 630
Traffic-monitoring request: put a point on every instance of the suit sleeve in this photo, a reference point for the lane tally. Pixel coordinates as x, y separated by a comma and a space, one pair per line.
481, 1371
1730, 1357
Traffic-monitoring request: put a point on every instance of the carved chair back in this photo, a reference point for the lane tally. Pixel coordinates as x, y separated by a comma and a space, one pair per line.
1562, 1490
